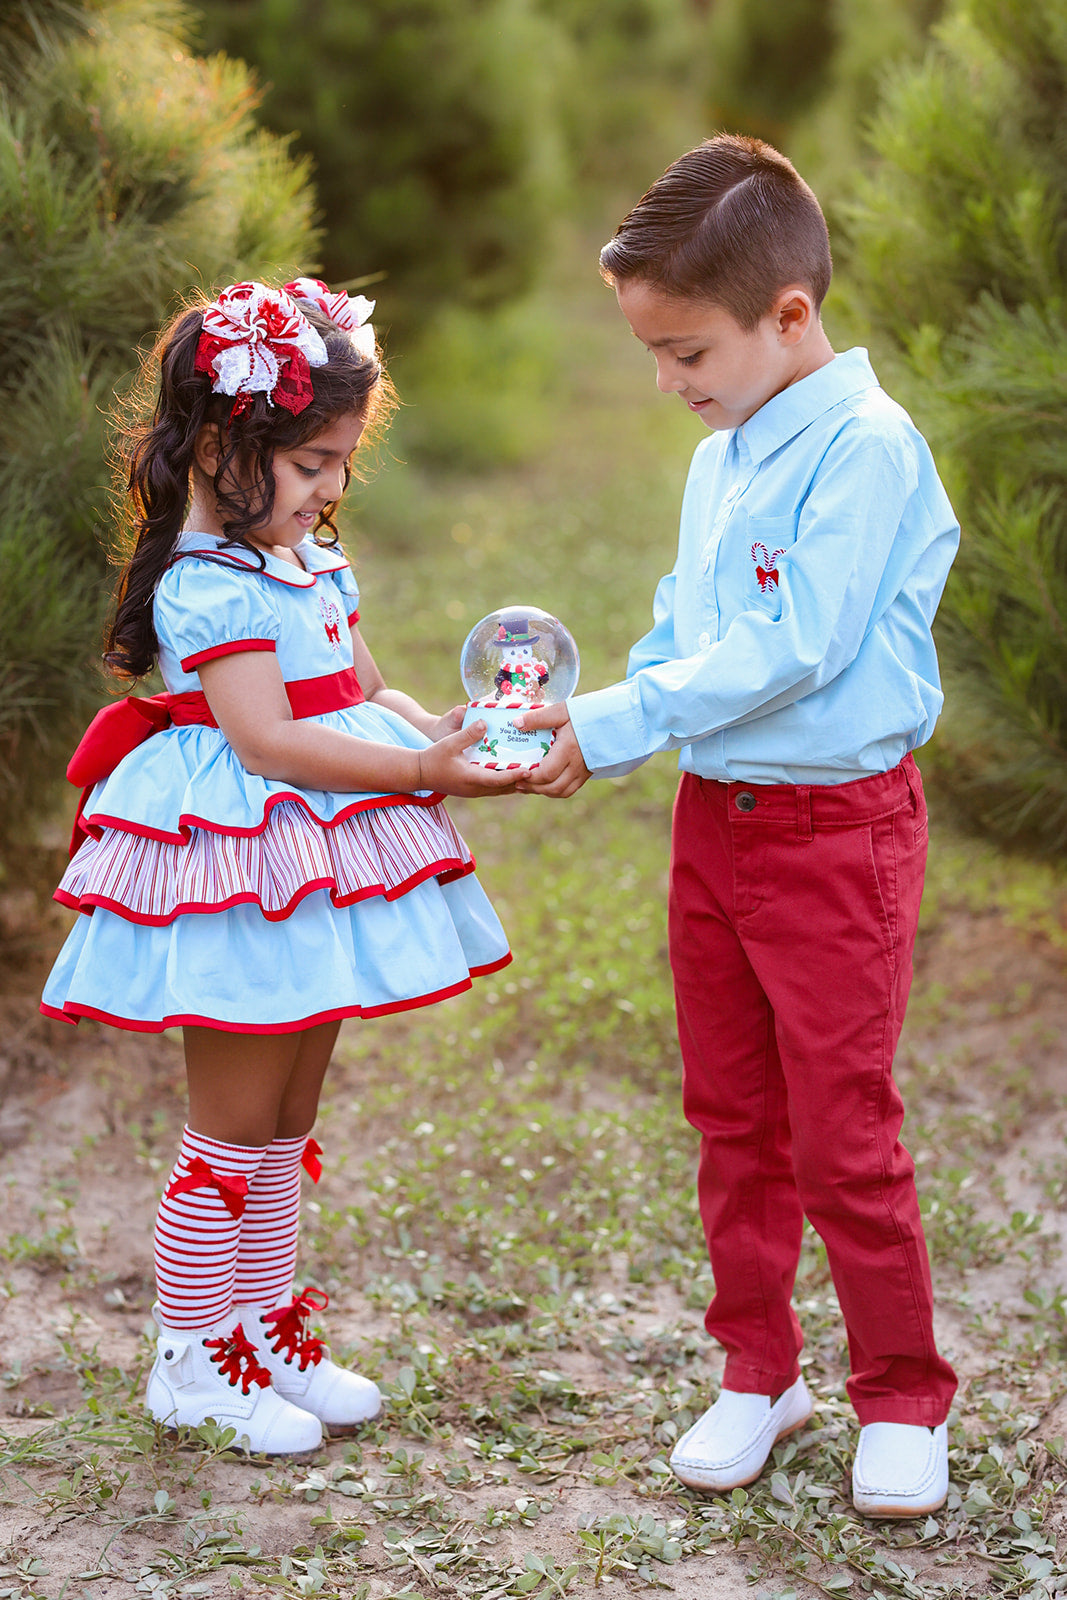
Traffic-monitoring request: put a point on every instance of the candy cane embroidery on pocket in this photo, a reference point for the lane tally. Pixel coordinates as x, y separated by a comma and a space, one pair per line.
767, 571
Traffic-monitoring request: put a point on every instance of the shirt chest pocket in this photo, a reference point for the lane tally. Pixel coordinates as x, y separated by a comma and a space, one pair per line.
757, 545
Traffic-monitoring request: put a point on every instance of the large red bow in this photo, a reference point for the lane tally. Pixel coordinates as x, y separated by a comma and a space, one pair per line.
119, 728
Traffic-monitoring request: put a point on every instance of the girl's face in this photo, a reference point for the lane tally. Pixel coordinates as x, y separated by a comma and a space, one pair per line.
307, 478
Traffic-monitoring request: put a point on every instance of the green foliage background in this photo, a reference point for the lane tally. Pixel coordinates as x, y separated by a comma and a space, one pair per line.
433, 131
131, 172
957, 258
442, 151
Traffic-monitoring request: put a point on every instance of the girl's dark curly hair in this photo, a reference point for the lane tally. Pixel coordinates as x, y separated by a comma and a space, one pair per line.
156, 462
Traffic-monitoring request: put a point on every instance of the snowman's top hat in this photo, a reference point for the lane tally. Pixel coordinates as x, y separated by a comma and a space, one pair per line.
517, 632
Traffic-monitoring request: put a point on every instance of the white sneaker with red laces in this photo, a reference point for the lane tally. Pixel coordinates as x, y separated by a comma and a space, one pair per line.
215, 1372
300, 1366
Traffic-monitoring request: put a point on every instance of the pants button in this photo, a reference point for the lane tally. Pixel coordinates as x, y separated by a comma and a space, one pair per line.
745, 801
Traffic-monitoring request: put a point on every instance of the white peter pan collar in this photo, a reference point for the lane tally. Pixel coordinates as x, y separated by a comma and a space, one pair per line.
316, 558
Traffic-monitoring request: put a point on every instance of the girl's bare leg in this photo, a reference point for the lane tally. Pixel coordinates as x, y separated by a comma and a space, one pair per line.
250, 1088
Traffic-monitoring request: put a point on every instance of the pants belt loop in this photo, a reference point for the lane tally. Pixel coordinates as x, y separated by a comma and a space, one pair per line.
804, 827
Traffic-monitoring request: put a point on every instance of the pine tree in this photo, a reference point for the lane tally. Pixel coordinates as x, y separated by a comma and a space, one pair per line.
434, 133
131, 173
957, 255
804, 73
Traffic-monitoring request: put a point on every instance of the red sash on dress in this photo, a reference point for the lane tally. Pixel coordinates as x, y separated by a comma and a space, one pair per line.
124, 724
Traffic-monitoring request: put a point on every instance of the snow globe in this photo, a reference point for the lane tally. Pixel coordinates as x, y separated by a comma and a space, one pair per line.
512, 661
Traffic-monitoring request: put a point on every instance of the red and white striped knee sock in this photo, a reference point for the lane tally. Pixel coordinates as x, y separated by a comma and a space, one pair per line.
198, 1226
270, 1227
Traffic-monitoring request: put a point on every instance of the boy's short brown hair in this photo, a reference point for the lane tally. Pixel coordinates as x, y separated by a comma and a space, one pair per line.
732, 222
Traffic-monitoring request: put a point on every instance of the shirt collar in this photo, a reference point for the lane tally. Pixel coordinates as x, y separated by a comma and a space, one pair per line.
316, 558
789, 413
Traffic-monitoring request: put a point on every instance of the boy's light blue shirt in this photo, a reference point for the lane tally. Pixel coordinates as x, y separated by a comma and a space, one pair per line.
791, 643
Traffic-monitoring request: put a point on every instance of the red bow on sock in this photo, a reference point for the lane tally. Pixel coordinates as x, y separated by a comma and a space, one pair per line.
232, 1187
310, 1160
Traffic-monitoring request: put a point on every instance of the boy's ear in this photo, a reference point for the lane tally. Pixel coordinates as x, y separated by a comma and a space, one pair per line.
795, 314
207, 450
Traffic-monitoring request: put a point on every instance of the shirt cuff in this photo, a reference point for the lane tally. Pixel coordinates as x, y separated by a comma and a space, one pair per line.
609, 727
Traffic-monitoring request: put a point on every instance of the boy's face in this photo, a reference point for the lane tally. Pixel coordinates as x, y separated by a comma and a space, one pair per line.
722, 371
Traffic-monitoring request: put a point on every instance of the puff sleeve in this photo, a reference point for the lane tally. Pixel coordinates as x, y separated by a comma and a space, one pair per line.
205, 609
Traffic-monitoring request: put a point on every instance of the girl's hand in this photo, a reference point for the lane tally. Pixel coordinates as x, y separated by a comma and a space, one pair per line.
248, 701
563, 771
444, 766
451, 722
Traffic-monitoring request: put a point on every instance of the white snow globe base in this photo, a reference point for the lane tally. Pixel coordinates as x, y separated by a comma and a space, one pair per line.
503, 745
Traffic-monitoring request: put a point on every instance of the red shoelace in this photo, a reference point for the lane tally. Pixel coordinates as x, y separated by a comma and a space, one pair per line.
288, 1327
235, 1356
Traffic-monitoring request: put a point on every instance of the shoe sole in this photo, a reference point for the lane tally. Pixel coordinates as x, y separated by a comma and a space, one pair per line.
742, 1483
258, 1455
342, 1430
899, 1513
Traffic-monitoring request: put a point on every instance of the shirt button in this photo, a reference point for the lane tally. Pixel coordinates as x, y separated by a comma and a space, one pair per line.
704, 640
745, 801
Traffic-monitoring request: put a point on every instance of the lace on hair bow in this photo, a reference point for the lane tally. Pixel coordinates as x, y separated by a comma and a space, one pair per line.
353, 315
256, 340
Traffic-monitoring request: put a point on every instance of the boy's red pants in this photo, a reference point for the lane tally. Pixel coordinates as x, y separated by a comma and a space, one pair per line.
792, 921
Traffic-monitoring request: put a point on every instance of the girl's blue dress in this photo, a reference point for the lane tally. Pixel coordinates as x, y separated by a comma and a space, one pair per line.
211, 896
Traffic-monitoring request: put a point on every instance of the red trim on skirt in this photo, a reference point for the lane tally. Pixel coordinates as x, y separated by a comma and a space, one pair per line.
73, 1012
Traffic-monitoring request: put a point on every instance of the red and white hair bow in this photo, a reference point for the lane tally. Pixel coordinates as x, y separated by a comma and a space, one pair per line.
353, 315
256, 340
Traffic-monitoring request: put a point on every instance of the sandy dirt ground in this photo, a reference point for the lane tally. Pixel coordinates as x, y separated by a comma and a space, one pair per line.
88, 1118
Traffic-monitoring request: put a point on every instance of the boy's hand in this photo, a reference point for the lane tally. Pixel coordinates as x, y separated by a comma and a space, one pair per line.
444, 766
563, 771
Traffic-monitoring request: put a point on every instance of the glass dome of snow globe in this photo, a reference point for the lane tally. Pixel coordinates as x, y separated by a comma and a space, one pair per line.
513, 660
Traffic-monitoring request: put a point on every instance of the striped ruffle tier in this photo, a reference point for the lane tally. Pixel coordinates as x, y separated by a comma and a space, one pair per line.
378, 850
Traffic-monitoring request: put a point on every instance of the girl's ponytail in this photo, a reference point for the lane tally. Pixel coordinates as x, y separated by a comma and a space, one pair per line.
160, 462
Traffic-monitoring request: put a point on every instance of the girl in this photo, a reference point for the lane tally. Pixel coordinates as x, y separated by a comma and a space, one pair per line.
262, 850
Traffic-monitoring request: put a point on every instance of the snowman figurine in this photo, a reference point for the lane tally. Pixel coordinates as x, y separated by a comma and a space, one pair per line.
521, 676
512, 661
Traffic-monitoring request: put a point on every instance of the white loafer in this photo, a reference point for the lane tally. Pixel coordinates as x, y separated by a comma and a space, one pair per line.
730, 1443
900, 1470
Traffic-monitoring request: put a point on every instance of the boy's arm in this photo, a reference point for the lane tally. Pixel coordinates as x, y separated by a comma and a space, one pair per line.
851, 559
565, 769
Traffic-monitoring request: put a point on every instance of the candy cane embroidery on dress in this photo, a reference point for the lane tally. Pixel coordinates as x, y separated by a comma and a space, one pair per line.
331, 621
767, 572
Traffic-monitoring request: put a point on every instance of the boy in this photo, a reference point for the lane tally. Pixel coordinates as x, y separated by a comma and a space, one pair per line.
791, 662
